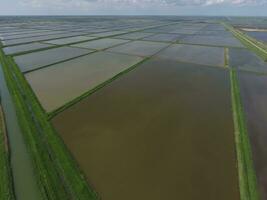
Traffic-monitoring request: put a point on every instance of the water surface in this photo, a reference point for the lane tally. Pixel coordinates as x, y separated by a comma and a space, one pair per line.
163, 131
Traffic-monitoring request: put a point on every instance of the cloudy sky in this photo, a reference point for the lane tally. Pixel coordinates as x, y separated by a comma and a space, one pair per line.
133, 7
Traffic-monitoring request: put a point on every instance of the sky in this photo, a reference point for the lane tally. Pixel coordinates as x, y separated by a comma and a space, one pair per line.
134, 7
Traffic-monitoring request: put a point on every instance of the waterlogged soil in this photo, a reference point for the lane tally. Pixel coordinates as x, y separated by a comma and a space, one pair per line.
101, 44
24, 179
244, 59
134, 36
35, 60
213, 40
69, 40
254, 98
109, 33
38, 38
63, 82
162, 37
29, 35
156, 134
262, 36
25, 47
139, 48
203, 55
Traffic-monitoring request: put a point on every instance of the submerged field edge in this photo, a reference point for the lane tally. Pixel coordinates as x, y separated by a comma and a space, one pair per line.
31, 141
6, 178
57, 173
246, 173
251, 43
95, 89
226, 57
78, 42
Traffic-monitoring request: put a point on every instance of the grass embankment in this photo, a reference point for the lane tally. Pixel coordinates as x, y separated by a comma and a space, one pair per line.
247, 177
95, 89
6, 180
226, 57
57, 173
259, 48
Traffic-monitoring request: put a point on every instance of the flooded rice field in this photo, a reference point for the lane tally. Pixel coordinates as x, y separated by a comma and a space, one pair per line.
134, 36
143, 104
213, 40
213, 56
35, 60
139, 48
163, 37
254, 97
37, 38
258, 35
246, 60
25, 47
101, 43
134, 138
60, 83
69, 40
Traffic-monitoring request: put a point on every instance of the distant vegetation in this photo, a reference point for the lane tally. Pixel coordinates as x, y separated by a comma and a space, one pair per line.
256, 46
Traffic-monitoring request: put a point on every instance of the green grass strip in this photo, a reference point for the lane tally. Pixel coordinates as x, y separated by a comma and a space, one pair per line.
57, 173
95, 89
226, 57
247, 177
32, 140
256, 46
6, 179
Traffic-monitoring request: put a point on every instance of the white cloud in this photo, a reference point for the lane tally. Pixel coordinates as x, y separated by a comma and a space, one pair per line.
120, 4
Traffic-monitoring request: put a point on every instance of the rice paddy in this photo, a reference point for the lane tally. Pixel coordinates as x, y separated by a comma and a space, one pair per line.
35, 60
77, 76
25, 48
127, 163
244, 59
253, 89
139, 48
101, 44
205, 55
117, 108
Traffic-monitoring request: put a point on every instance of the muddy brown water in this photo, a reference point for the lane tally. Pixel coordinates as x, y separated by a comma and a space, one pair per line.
254, 97
163, 131
56, 85
24, 179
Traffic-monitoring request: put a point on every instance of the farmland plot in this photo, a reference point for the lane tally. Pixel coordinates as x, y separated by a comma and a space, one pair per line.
134, 138
139, 48
254, 97
244, 59
60, 83
35, 60
213, 56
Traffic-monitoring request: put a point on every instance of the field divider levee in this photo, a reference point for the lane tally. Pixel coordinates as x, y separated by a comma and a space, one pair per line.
209, 45
84, 34
57, 173
95, 89
6, 178
226, 57
32, 140
246, 172
72, 102
251, 43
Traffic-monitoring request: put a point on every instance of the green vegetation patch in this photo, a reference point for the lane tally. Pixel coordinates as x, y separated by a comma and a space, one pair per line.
57, 174
256, 46
6, 182
247, 178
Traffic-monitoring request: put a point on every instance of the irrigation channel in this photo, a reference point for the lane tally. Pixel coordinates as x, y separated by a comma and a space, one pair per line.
25, 185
